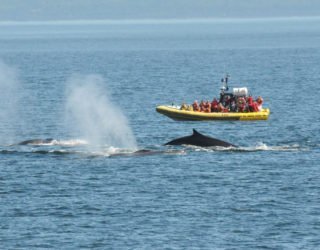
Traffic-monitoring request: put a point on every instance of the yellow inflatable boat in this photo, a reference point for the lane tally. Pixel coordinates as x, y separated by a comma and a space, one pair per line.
174, 112
232, 106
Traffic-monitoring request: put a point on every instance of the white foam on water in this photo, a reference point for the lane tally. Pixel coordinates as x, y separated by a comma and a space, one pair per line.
110, 151
69, 143
258, 147
264, 147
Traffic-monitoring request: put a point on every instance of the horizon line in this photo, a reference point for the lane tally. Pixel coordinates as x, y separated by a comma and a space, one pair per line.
157, 21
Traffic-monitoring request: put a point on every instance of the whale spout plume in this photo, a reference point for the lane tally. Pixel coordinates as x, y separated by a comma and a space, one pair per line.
198, 139
93, 116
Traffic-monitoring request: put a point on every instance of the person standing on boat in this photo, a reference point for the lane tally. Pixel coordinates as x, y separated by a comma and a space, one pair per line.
224, 88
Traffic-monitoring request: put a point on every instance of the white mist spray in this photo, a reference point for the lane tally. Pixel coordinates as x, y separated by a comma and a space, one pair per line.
93, 116
9, 97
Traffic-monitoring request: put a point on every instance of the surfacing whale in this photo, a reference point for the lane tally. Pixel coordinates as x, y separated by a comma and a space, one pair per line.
198, 139
147, 152
36, 141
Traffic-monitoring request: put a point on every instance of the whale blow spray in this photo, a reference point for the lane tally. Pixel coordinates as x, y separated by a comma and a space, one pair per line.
93, 116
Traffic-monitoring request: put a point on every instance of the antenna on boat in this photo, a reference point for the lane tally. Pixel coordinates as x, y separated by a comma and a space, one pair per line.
224, 82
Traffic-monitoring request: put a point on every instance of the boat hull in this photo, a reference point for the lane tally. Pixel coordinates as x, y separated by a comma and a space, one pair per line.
175, 113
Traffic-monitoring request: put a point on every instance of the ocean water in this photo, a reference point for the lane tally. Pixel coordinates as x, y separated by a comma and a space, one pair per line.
93, 88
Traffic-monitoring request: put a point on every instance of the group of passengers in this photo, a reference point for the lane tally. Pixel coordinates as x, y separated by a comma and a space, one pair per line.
227, 103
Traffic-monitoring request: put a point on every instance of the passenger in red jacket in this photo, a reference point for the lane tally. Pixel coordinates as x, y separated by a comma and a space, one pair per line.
251, 105
214, 105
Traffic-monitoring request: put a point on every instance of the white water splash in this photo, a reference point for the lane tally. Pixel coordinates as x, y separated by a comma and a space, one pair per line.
70, 143
264, 147
92, 115
258, 147
64, 143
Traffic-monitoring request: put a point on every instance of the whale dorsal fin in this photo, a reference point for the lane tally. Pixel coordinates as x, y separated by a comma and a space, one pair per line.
195, 132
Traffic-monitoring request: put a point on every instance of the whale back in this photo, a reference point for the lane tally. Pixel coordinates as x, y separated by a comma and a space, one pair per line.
198, 139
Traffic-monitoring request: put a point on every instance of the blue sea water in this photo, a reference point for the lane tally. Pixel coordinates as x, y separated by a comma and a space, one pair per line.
71, 195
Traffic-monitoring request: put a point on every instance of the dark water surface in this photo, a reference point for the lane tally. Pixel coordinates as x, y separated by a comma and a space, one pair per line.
70, 195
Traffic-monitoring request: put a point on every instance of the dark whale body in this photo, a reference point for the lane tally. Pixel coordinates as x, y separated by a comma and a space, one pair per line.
146, 152
36, 141
198, 139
